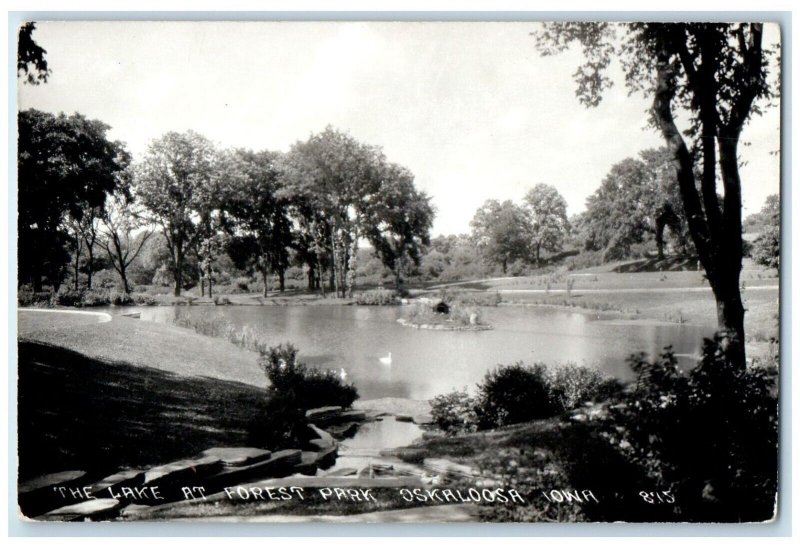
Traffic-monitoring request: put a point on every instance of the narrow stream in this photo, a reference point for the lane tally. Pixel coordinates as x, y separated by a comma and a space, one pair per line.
364, 448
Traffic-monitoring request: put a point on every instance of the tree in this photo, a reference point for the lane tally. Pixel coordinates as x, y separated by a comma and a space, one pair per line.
336, 179
66, 167
31, 63
124, 234
767, 248
717, 74
176, 181
501, 232
547, 211
399, 221
638, 199
260, 216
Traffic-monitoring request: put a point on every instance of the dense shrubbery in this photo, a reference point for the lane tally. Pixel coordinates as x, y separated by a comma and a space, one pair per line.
518, 393
379, 297
571, 385
82, 297
709, 436
310, 387
514, 393
26, 297
585, 259
294, 389
121, 299
455, 412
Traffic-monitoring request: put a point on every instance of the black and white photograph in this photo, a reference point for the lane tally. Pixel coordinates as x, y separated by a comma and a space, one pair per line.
357, 271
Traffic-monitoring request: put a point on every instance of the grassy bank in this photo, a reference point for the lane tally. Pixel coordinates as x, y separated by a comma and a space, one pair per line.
144, 344
81, 413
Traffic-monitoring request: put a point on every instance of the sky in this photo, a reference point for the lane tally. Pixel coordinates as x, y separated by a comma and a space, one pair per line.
471, 109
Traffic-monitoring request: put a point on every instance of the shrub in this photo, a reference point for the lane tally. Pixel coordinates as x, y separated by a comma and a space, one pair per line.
586, 259
121, 299
242, 284
518, 393
571, 385
68, 297
306, 388
28, 297
95, 297
514, 393
82, 297
144, 299
709, 436
455, 413
379, 297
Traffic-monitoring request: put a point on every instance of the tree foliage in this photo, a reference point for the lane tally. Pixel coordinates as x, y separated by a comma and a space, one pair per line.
124, 233
547, 212
66, 168
636, 202
766, 248
258, 212
501, 232
177, 183
344, 190
31, 63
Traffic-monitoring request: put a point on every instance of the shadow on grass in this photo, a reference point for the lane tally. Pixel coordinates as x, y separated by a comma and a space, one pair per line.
76, 412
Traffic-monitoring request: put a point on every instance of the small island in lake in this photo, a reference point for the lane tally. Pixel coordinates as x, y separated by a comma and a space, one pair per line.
439, 315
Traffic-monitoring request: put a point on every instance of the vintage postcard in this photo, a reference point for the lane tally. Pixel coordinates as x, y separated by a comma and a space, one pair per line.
376, 272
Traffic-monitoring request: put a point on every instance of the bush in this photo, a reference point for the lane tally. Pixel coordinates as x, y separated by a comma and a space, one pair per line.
586, 259
82, 297
514, 393
378, 297
709, 436
306, 388
518, 393
144, 299
571, 385
294, 389
455, 413
28, 297
121, 299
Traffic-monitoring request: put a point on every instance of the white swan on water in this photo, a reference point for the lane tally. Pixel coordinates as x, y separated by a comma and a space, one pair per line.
387, 360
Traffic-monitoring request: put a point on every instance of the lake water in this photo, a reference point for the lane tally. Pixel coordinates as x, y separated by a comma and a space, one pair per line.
426, 363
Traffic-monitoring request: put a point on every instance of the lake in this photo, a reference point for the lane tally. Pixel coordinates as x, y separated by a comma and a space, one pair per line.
426, 363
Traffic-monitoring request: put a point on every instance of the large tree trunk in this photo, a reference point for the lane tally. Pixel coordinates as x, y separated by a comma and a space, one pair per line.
660, 223
178, 273
265, 275
719, 250
124, 279
311, 276
76, 266
352, 264
89, 266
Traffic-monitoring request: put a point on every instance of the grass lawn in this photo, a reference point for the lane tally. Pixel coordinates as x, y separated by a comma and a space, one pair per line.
81, 413
146, 344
